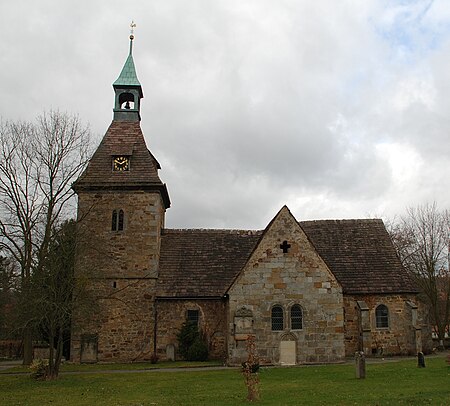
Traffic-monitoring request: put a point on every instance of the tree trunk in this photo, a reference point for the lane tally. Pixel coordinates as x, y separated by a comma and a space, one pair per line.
27, 346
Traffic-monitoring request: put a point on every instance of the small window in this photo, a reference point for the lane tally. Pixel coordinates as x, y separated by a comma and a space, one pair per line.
114, 220
296, 317
117, 220
277, 318
382, 316
193, 316
120, 221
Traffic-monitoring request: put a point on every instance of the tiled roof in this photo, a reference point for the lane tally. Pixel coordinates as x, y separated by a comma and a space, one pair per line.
123, 138
360, 254
202, 263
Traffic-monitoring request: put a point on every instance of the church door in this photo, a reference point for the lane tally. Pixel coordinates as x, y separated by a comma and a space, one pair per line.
288, 351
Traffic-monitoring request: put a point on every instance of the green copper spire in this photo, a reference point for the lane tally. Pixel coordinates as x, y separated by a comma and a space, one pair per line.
128, 75
128, 89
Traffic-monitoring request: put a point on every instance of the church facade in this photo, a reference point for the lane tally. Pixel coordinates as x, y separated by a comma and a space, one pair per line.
309, 292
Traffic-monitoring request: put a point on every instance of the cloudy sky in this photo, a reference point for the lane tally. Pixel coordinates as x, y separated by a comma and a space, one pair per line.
338, 109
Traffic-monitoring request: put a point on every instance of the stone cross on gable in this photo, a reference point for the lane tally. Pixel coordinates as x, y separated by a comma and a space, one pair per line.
285, 246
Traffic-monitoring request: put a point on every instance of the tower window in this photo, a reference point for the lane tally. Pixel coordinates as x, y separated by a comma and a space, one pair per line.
126, 101
117, 220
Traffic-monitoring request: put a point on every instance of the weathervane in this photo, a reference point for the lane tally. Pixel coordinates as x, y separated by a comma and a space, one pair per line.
132, 25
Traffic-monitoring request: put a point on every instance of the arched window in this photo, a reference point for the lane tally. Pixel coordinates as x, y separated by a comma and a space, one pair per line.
277, 318
296, 317
117, 220
126, 101
120, 221
382, 316
114, 221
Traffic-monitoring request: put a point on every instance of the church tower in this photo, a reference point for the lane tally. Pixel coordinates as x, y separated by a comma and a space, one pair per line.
121, 209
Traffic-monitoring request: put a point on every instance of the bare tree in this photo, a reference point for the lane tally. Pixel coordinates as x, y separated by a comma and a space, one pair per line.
57, 294
38, 163
422, 240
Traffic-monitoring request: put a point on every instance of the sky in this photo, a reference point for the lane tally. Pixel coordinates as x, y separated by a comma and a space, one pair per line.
337, 109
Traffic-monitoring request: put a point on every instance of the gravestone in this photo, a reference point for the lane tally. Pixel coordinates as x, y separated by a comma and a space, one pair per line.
170, 352
360, 364
89, 348
420, 360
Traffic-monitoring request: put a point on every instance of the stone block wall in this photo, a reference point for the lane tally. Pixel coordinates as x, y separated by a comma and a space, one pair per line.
133, 252
120, 268
406, 333
171, 314
272, 277
123, 323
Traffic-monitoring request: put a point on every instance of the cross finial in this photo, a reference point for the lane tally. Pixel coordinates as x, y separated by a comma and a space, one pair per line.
132, 25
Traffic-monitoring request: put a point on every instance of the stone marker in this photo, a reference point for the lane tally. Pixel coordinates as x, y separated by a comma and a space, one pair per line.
360, 363
420, 360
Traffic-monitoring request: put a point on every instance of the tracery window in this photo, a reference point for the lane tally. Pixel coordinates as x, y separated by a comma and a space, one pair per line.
296, 317
277, 318
382, 316
117, 220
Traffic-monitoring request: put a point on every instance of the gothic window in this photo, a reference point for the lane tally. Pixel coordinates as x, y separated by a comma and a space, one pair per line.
277, 318
192, 316
382, 316
117, 220
296, 317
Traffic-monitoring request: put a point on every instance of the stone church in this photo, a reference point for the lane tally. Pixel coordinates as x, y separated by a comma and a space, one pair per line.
308, 291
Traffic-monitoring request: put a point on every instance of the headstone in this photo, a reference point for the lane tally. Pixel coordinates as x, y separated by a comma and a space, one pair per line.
89, 348
360, 364
420, 360
170, 352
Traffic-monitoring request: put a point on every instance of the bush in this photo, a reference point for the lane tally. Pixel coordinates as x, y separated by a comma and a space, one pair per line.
198, 351
191, 345
39, 369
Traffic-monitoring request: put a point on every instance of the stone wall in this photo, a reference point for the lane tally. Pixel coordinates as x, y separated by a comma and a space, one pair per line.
123, 323
407, 332
212, 322
272, 277
133, 252
120, 268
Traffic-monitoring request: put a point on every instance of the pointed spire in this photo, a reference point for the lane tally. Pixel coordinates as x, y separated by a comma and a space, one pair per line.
128, 75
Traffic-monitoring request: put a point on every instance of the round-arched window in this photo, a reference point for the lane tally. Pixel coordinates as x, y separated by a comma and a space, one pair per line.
277, 318
382, 316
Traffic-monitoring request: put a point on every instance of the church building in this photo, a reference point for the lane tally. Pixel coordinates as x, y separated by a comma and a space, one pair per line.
308, 291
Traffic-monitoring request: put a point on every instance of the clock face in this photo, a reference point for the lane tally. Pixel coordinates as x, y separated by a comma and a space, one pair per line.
121, 163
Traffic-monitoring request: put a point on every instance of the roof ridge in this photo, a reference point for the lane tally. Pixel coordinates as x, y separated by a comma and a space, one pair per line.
211, 230
364, 220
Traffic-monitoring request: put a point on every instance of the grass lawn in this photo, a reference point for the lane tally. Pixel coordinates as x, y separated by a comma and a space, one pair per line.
394, 383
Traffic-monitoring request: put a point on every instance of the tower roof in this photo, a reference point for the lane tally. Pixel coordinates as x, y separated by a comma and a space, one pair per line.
128, 77
123, 138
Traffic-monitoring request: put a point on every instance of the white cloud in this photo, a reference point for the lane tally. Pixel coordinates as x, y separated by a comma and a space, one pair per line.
326, 106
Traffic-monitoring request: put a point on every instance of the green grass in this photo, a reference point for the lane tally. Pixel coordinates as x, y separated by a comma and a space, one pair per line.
395, 383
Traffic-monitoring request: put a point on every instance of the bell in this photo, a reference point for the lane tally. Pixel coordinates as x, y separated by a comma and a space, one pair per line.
127, 105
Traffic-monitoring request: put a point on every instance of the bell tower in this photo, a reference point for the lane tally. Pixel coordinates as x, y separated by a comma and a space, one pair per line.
128, 90
121, 209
